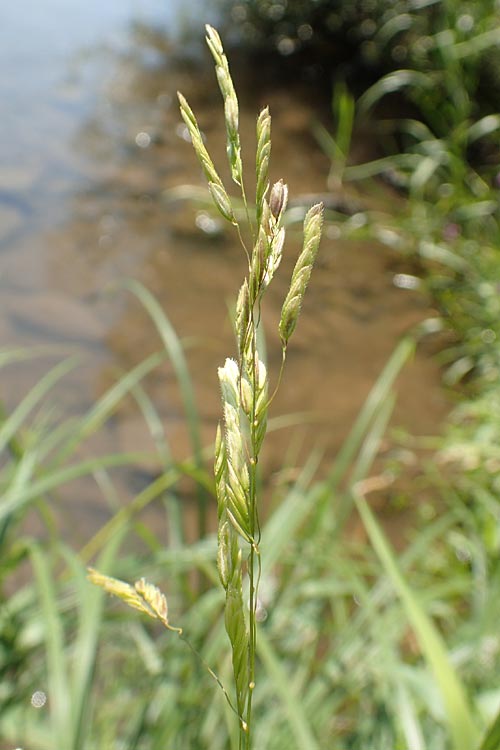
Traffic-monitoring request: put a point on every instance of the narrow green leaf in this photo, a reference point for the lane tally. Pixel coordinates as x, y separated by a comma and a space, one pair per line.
376, 397
107, 404
58, 686
175, 352
292, 704
463, 731
18, 497
43, 386
491, 740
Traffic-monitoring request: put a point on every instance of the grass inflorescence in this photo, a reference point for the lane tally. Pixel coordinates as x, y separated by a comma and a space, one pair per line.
243, 382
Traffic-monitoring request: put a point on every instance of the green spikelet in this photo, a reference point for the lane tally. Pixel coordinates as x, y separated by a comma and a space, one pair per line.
242, 317
235, 487
222, 201
261, 404
215, 185
262, 159
238, 635
301, 273
231, 109
197, 141
220, 472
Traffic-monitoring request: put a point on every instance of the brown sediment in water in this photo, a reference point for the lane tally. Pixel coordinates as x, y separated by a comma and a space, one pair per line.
120, 219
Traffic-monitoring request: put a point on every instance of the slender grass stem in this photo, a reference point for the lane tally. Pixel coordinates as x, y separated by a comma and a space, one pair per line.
244, 384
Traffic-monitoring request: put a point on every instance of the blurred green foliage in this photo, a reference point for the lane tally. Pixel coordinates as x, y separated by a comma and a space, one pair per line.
361, 40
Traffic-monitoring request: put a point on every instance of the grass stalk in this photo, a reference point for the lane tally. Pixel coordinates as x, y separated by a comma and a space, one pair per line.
463, 730
244, 386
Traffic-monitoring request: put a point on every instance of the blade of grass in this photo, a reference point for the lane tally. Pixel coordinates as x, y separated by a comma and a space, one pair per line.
491, 740
463, 731
18, 497
125, 514
392, 82
376, 397
98, 414
175, 352
90, 611
289, 515
294, 710
14, 422
58, 687
408, 719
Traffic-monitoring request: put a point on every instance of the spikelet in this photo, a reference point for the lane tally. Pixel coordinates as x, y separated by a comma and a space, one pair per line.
278, 200
220, 472
231, 110
143, 596
261, 404
237, 631
274, 257
228, 552
262, 159
215, 185
271, 220
242, 318
301, 273
235, 485
222, 201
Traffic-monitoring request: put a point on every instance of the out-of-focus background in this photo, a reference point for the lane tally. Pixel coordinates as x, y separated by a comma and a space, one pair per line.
385, 111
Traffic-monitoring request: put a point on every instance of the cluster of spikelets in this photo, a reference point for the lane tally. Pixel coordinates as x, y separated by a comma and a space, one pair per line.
243, 381
143, 596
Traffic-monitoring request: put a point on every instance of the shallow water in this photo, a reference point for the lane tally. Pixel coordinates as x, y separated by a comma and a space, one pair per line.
92, 146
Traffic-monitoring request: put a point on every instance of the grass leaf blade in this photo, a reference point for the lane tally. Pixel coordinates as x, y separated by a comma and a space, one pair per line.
463, 730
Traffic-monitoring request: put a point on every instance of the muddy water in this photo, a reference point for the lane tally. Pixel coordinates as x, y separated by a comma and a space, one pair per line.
93, 153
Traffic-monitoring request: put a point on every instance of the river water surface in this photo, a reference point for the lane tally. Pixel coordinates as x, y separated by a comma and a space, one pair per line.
93, 159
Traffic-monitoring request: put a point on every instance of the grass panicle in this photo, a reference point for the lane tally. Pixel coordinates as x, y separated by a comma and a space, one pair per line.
244, 382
